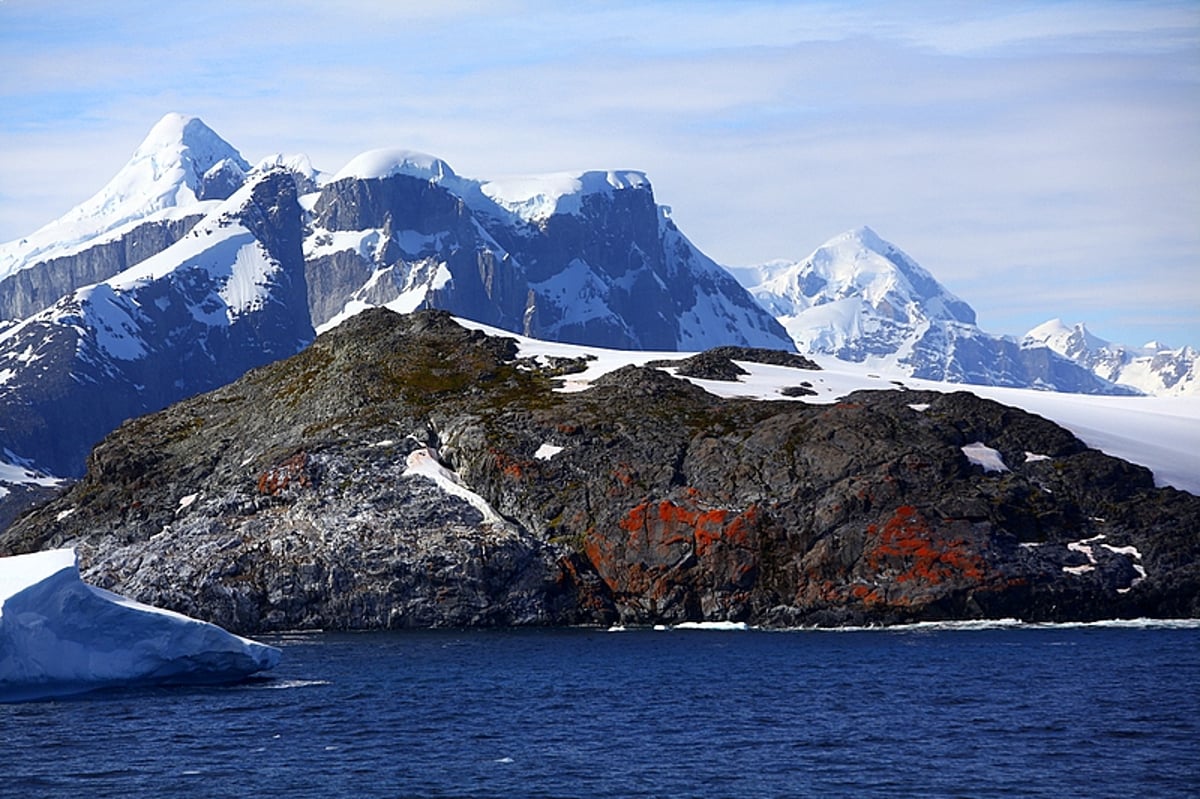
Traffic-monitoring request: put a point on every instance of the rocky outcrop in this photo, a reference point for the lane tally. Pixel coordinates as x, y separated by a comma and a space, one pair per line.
403, 471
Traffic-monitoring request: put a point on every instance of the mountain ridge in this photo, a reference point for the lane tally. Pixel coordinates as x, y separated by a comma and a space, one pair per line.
600, 263
1153, 368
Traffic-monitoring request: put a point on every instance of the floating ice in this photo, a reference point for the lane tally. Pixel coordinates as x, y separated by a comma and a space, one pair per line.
59, 636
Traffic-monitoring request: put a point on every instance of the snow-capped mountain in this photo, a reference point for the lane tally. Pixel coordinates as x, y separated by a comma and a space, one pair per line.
229, 296
578, 257
1152, 368
177, 174
189, 268
861, 299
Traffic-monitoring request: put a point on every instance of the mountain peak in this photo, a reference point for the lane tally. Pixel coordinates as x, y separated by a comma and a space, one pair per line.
861, 263
1064, 339
865, 236
166, 171
388, 161
177, 152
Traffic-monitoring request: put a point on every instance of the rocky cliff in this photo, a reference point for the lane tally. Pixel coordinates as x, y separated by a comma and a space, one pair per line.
404, 471
589, 258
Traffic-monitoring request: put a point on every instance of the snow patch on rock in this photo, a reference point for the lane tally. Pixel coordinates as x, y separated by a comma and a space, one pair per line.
981, 454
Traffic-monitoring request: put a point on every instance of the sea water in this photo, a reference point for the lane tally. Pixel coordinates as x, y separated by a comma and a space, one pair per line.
925, 711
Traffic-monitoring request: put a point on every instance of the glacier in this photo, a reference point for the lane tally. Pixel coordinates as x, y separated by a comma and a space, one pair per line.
60, 636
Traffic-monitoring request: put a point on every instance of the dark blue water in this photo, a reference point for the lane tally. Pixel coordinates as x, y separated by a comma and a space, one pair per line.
1055, 712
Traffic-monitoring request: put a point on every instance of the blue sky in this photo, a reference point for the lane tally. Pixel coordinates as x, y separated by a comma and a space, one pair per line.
1041, 159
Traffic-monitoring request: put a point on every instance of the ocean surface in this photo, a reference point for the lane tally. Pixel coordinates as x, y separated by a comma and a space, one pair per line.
925, 711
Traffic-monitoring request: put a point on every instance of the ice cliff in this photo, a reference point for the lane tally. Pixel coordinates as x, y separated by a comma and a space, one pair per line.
60, 636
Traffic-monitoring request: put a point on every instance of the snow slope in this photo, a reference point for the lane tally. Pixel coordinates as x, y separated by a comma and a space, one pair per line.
1160, 433
60, 636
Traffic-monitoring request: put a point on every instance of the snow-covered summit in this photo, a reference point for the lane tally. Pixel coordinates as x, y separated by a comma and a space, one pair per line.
859, 265
1065, 339
536, 197
532, 198
385, 162
860, 298
854, 294
1153, 368
167, 171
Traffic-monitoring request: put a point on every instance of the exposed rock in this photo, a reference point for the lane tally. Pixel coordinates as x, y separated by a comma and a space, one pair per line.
709, 365
39, 286
717, 363
396, 474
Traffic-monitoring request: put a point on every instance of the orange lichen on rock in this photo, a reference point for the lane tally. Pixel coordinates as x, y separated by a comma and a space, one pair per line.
509, 466
670, 523
922, 554
291, 471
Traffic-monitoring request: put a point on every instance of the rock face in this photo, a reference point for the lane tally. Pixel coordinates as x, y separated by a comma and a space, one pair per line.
39, 286
860, 298
403, 471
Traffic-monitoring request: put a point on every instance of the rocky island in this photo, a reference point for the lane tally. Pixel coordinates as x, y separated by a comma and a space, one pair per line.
405, 471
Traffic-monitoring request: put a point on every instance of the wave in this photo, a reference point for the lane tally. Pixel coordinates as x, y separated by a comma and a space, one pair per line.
1011, 624
295, 683
966, 625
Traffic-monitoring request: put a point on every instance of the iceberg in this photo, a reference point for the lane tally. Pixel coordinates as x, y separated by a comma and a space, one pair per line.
60, 636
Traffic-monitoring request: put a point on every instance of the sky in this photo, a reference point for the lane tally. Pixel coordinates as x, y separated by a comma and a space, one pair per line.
1040, 159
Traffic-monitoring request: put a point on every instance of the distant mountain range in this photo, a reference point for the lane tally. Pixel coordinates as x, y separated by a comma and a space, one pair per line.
193, 266
860, 298
1152, 368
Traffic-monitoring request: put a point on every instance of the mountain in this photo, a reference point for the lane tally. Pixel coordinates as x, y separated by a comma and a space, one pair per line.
861, 299
191, 266
583, 258
1152, 368
175, 176
479, 480
227, 297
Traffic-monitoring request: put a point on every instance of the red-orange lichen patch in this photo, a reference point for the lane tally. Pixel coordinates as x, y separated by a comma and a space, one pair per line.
292, 470
510, 467
670, 523
925, 554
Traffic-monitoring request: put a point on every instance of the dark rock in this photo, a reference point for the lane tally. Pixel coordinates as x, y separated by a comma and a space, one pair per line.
285, 500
